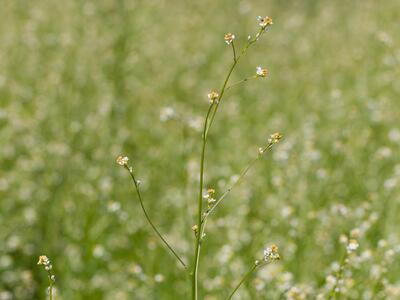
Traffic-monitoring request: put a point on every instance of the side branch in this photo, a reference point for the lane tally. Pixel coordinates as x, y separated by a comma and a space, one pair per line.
148, 217
237, 181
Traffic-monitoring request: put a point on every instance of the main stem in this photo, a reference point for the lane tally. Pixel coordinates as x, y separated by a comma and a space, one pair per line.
199, 210
51, 291
207, 125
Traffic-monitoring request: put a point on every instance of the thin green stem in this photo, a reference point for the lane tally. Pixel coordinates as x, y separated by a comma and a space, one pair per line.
221, 95
51, 289
335, 290
244, 278
200, 209
237, 181
234, 51
148, 217
207, 125
241, 81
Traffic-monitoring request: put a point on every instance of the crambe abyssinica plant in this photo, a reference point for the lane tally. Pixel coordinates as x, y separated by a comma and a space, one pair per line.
203, 213
45, 261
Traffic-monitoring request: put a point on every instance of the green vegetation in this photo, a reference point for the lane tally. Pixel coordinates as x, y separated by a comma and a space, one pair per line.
83, 82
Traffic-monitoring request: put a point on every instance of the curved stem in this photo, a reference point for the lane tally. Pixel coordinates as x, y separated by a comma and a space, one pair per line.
245, 277
148, 218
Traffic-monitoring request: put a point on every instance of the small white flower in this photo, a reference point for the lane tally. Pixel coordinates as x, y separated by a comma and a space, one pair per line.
229, 37
262, 72
122, 160
271, 253
167, 113
352, 246
264, 21
159, 278
213, 97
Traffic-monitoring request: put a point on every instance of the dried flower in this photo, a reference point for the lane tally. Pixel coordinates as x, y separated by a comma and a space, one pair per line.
210, 197
355, 233
271, 253
262, 72
264, 21
274, 138
43, 260
213, 96
122, 160
229, 37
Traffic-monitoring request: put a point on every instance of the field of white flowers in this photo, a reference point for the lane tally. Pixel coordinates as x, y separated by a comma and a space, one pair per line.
82, 82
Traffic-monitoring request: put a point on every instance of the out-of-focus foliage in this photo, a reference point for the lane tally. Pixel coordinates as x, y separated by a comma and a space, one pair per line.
83, 81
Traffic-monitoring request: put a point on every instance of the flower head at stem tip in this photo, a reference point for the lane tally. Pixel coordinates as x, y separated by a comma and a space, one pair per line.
264, 21
229, 37
274, 138
271, 253
213, 97
122, 160
262, 72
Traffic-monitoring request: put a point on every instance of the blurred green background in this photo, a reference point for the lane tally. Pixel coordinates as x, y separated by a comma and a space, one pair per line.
84, 81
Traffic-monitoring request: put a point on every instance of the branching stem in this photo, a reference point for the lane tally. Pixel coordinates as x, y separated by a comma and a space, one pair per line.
212, 110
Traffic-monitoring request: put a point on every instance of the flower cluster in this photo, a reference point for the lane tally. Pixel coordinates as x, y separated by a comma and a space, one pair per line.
271, 253
210, 197
213, 97
44, 260
274, 138
122, 160
262, 72
264, 21
195, 229
229, 37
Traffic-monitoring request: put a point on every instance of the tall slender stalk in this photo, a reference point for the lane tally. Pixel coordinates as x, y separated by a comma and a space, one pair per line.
215, 99
212, 110
200, 209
